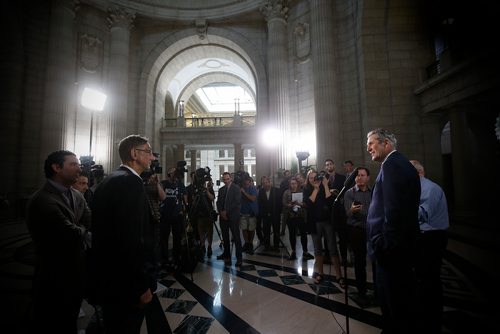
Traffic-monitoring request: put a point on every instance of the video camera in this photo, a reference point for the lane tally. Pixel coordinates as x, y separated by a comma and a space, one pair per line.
239, 177
154, 168
180, 169
89, 168
201, 176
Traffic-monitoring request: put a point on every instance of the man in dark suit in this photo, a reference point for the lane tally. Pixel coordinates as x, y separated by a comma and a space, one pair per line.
229, 206
269, 202
392, 229
57, 218
124, 266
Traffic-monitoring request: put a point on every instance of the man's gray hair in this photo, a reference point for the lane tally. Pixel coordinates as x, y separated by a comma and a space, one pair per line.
127, 144
383, 134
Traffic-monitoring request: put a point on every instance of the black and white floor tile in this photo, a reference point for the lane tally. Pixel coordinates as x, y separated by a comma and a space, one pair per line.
268, 294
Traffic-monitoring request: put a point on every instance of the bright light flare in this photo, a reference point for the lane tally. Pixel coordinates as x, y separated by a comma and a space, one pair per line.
93, 99
271, 137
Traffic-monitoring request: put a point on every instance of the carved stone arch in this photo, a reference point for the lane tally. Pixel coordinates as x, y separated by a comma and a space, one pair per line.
149, 121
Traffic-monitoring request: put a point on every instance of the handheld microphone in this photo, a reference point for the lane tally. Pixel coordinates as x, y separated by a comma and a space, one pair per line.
349, 183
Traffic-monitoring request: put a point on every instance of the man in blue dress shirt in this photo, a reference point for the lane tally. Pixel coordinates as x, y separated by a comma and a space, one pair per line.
433, 219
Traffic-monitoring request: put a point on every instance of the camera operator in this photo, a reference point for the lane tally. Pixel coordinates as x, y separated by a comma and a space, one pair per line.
201, 208
172, 215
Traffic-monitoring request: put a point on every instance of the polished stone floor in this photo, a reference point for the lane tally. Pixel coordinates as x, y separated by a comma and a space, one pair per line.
268, 294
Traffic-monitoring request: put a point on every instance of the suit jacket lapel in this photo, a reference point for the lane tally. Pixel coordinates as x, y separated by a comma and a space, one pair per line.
60, 198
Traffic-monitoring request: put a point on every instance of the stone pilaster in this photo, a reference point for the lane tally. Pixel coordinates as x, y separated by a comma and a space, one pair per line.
239, 161
328, 136
276, 13
120, 23
60, 93
192, 156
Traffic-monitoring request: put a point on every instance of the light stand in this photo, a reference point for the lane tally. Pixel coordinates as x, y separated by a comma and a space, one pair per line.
301, 156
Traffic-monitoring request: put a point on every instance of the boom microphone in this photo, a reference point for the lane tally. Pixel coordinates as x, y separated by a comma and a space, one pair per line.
349, 183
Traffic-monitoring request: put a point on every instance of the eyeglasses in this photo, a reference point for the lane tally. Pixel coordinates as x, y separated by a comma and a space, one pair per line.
148, 151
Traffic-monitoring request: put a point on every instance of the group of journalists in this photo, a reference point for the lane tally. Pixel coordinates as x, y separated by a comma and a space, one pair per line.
108, 243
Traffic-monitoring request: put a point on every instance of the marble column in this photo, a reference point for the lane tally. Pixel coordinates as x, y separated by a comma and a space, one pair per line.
275, 13
239, 161
60, 96
328, 136
120, 23
193, 160
178, 153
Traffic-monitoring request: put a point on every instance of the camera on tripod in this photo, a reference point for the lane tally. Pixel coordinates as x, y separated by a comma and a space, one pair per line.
180, 169
239, 177
89, 168
201, 178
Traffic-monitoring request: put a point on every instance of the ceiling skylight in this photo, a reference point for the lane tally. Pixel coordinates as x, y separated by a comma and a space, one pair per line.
225, 97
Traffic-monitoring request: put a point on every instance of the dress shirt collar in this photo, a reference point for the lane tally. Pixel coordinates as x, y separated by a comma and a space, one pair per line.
59, 187
388, 155
356, 188
130, 168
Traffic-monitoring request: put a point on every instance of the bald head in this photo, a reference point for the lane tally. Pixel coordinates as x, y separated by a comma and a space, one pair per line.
418, 166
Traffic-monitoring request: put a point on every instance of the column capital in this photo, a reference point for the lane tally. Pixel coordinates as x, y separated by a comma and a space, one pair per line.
119, 17
71, 5
275, 9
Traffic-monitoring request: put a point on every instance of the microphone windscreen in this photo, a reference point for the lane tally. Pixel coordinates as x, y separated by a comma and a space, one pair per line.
349, 182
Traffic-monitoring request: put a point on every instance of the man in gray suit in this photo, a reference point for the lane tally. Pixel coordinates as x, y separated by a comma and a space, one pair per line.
229, 205
57, 218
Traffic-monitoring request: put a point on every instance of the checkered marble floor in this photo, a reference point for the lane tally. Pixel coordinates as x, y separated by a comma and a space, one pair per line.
268, 294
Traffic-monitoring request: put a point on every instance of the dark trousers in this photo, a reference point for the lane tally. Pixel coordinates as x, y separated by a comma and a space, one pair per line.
295, 224
122, 318
274, 222
432, 245
234, 226
56, 310
174, 225
396, 291
341, 231
357, 239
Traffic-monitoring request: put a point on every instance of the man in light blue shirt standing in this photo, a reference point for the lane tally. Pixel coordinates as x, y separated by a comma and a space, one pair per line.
433, 219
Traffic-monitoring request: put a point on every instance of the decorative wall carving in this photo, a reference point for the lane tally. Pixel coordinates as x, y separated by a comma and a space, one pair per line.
302, 39
90, 52
201, 28
275, 9
119, 17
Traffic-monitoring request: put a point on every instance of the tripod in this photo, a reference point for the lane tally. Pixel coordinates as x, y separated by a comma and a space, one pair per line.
200, 199
281, 244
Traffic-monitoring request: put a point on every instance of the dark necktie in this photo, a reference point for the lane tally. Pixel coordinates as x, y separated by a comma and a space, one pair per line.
69, 197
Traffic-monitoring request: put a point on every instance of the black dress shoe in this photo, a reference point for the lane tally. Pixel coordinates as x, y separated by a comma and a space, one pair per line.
220, 257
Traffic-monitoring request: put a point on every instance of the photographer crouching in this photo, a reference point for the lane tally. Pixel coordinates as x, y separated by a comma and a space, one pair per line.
201, 197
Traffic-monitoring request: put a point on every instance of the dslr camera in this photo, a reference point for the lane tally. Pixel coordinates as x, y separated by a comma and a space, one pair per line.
155, 165
320, 176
